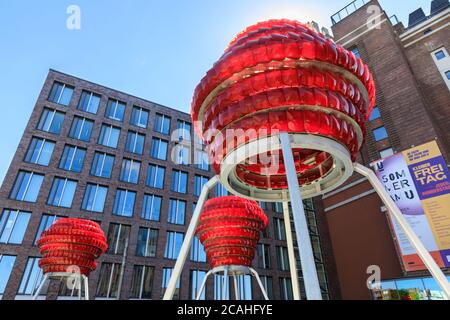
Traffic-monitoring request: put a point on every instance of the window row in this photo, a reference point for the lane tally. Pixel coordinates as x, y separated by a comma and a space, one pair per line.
115, 110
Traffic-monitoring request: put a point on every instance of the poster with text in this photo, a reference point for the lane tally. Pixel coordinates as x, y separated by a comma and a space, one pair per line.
418, 181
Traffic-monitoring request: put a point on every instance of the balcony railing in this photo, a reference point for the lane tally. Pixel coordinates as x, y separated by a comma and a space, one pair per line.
348, 10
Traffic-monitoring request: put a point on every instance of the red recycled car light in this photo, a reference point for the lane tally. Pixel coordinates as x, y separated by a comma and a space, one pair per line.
71, 242
229, 229
282, 76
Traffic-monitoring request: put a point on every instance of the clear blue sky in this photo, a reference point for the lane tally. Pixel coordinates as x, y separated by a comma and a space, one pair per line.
156, 50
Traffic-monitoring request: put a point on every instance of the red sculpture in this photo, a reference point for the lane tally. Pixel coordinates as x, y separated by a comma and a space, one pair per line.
71, 242
229, 230
282, 76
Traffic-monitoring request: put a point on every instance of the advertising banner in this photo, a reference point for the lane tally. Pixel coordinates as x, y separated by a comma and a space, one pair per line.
418, 181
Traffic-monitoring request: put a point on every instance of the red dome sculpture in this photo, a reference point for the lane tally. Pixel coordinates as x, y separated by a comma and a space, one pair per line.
229, 230
71, 242
282, 76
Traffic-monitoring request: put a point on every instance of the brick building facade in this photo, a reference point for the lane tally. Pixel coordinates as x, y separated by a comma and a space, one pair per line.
411, 72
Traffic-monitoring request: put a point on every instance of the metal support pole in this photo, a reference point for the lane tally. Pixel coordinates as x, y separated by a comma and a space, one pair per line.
311, 280
86, 287
261, 286
224, 283
202, 287
236, 289
79, 285
291, 252
427, 259
36, 295
190, 233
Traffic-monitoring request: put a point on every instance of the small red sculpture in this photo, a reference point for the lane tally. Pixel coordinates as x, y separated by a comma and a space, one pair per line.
229, 230
71, 242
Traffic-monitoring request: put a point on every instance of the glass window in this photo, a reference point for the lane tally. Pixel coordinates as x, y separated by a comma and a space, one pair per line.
162, 124
81, 129
108, 284
115, 110
277, 207
89, 102
448, 75
32, 278
220, 190
173, 244
147, 242
280, 231
61, 94
282, 258
151, 207
196, 280
197, 251
167, 273
124, 203
183, 130
179, 181
199, 182
268, 285
155, 176
286, 289
62, 192
386, 153
158, 149
182, 155
72, 159
440, 54
109, 136
118, 236
13, 224
51, 121
6, 266
380, 134
40, 151
375, 114
218, 288
139, 117
245, 287
135, 142
264, 256
142, 282
94, 198
46, 222
201, 160
102, 165
355, 50
26, 187
177, 211
130, 171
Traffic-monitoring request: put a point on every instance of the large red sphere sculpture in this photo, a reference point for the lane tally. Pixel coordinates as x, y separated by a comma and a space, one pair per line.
71, 242
281, 76
229, 230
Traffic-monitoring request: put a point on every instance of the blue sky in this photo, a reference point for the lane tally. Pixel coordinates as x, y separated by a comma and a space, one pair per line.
157, 50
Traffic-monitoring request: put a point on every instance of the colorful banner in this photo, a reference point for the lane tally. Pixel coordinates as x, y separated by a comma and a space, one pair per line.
418, 181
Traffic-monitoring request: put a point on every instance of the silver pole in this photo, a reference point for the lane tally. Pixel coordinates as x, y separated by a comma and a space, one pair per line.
224, 283
86, 287
190, 233
202, 287
36, 295
236, 289
427, 259
261, 286
291, 252
308, 265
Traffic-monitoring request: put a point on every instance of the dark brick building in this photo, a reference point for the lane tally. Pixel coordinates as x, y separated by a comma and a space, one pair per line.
411, 68
96, 153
